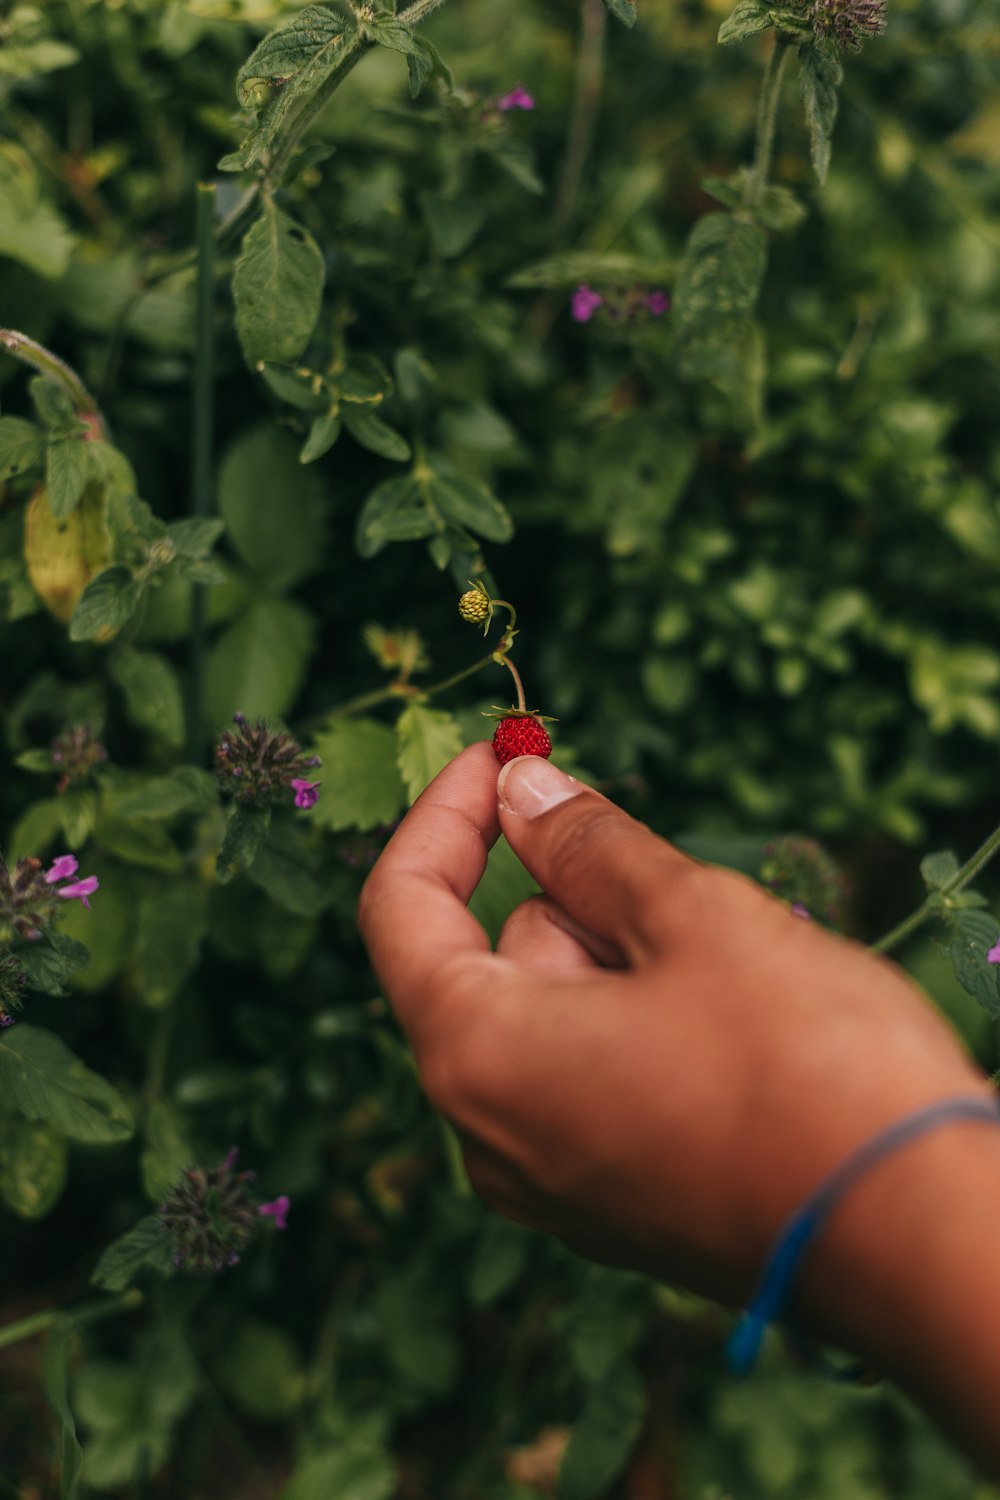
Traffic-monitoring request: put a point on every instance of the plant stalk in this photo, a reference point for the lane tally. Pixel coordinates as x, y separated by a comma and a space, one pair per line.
932, 906
589, 84
48, 364
767, 118
92, 1312
202, 425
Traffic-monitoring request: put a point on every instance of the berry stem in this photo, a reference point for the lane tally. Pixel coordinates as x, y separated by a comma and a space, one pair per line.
50, 365
500, 657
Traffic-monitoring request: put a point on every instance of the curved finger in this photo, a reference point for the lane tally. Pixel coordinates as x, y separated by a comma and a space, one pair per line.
544, 938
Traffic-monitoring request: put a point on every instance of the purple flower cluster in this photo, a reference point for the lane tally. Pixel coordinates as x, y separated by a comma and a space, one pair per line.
847, 23
13, 979
799, 871
211, 1216
618, 307
30, 896
76, 752
515, 98
259, 767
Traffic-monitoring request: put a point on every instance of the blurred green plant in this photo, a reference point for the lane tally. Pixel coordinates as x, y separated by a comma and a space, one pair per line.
745, 432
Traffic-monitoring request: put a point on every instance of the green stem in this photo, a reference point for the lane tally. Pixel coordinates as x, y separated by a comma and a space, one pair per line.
589, 84
91, 1312
416, 12
517, 680
932, 906
353, 53
202, 423
50, 365
400, 690
767, 117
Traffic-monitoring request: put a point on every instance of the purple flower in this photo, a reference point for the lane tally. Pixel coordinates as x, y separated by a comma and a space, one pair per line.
799, 910
259, 767
5, 1019
515, 98
61, 868
585, 303
657, 303
80, 890
277, 1210
306, 792
993, 957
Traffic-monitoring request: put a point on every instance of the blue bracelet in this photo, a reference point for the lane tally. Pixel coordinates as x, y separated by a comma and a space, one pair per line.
801, 1228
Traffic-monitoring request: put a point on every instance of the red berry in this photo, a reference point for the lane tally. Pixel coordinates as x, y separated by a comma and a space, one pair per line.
520, 735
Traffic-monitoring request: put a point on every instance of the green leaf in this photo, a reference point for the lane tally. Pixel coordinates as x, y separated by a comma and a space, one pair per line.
284, 73
350, 1470
375, 435
258, 664
422, 59
324, 431
31, 231
108, 601
364, 380
20, 446
145, 1244
469, 503
277, 288
570, 267
749, 17
500, 1257
362, 787
419, 1339
170, 925
33, 1165
820, 76
603, 1436
195, 536
972, 934
722, 269
938, 869
395, 511
152, 693
288, 867
167, 1152
185, 789
623, 10
67, 473
43, 1078
50, 960
245, 833
428, 739
261, 1369
55, 1381
141, 842
131, 1410
274, 513
452, 223
504, 885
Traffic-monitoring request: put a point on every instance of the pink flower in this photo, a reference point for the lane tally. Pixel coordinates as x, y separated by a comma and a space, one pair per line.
799, 910
306, 792
993, 957
277, 1211
657, 303
515, 98
61, 868
585, 303
80, 890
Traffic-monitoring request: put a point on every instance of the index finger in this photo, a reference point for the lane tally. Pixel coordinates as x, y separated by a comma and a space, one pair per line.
412, 914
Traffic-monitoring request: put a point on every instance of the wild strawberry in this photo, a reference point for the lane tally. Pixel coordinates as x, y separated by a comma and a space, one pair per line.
474, 606
521, 734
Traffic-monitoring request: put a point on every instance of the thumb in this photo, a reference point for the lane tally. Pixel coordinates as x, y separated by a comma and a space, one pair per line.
609, 872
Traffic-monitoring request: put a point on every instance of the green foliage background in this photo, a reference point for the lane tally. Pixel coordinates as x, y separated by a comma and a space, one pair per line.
753, 545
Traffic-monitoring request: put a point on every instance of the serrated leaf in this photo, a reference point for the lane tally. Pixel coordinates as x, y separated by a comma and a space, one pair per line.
33, 1165
972, 934
362, 787
603, 1436
749, 18
284, 72
170, 925
145, 1244
422, 60
820, 76
623, 10
105, 605
245, 833
67, 473
428, 739
45, 1081
51, 959
273, 511
395, 511
938, 869
277, 288
195, 536
258, 664
722, 269
375, 435
152, 693
20, 446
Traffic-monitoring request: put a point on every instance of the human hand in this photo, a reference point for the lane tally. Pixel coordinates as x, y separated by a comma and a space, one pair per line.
660, 1060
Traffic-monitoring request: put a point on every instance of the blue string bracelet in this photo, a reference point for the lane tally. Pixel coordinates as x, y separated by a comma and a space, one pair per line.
799, 1231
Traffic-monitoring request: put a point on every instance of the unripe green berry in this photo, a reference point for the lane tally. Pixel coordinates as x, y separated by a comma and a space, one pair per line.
474, 606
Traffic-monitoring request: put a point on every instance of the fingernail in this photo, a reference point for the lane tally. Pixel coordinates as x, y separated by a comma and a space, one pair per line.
530, 785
